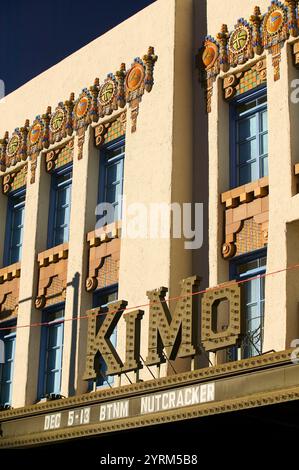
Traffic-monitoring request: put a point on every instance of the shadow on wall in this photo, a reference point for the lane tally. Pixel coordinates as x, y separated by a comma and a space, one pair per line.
75, 284
2, 352
292, 283
200, 147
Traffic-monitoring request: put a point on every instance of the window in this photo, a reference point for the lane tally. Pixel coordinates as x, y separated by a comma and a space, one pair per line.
249, 138
14, 227
6, 370
51, 353
60, 207
111, 178
101, 299
253, 300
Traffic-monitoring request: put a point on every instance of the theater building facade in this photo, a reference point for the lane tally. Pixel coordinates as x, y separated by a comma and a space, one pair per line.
106, 329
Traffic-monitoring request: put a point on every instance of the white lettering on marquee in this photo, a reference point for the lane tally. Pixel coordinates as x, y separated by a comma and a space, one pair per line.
118, 409
176, 399
52, 421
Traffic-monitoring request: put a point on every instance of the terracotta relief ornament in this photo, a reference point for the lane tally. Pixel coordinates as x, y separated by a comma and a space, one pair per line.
16, 150
222, 38
139, 78
61, 123
107, 97
256, 20
3, 145
85, 111
268, 31
53, 156
38, 139
97, 101
210, 63
238, 83
120, 78
240, 44
292, 17
275, 33
9, 179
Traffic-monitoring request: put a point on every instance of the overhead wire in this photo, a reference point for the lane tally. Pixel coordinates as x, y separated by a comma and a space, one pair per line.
149, 304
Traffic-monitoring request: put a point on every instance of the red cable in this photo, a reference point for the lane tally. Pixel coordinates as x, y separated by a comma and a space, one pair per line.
222, 286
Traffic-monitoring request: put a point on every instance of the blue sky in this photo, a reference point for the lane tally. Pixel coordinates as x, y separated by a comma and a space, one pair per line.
34, 35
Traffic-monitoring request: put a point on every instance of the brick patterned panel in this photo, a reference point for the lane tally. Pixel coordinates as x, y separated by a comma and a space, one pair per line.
52, 280
55, 293
108, 273
15, 180
20, 179
241, 82
116, 130
65, 155
250, 237
9, 291
60, 156
250, 80
110, 130
104, 256
246, 218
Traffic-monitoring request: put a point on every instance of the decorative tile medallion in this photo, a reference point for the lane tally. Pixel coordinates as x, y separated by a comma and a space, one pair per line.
240, 44
107, 91
210, 54
16, 147
211, 66
81, 107
13, 145
82, 115
107, 98
57, 120
61, 122
93, 103
35, 133
239, 40
247, 40
275, 33
139, 78
135, 77
275, 21
38, 139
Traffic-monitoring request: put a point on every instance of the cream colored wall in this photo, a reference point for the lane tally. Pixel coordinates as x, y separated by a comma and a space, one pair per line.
229, 11
281, 308
158, 168
26, 363
154, 172
84, 199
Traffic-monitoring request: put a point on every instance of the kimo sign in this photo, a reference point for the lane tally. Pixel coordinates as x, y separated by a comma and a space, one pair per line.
179, 333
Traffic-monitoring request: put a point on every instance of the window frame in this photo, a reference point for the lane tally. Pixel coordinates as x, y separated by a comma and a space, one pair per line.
109, 380
44, 339
4, 336
233, 118
68, 168
12, 196
243, 259
119, 142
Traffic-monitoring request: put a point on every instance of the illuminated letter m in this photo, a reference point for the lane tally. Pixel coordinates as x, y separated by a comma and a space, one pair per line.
176, 333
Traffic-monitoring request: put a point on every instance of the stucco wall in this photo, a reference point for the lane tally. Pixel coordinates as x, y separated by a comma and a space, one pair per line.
158, 168
281, 307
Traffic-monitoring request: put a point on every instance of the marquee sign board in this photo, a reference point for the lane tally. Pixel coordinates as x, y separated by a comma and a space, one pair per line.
242, 384
113, 410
